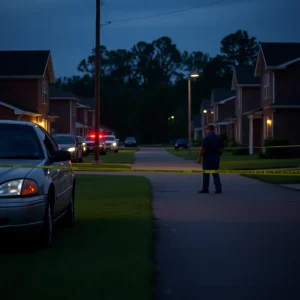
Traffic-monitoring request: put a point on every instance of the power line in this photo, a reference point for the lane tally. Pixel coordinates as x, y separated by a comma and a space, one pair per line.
166, 13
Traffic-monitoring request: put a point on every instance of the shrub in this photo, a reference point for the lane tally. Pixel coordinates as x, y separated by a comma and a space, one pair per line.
231, 144
276, 152
240, 150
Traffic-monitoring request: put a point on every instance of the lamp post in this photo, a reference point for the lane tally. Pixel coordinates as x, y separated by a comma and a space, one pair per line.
191, 75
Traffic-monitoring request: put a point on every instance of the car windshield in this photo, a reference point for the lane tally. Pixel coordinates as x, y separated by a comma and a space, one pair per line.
109, 138
19, 142
130, 139
64, 139
80, 139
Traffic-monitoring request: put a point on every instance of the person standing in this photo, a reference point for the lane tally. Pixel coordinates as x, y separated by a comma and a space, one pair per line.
212, 148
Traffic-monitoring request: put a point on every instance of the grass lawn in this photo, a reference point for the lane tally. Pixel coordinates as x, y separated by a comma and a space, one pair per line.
106, 255
122, 157
243, 162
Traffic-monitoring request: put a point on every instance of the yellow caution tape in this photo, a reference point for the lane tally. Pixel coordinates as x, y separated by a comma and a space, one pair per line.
271, 172
238, 147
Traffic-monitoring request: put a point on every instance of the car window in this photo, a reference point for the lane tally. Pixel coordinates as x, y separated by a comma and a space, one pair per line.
19, 141
64, 139
49, 143
109, 138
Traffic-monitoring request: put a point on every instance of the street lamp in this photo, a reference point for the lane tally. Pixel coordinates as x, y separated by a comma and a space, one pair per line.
191, 75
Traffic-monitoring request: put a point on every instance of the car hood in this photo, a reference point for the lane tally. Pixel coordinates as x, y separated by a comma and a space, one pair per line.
7, 174
66, 146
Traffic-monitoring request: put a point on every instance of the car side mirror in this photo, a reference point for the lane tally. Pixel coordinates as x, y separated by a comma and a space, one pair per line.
61, 155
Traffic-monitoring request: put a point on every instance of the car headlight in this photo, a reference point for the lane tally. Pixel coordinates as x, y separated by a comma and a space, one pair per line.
114, 144
19, 187
72, 149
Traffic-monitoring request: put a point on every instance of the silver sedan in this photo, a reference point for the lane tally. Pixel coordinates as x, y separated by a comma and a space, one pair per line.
35, 188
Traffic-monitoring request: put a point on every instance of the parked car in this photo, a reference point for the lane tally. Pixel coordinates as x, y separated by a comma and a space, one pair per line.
90, 143
181, 143
30, 196
69, 142
130, 142
111, 143
83, 145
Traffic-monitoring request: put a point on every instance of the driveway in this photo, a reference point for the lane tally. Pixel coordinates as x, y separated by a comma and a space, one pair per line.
159, 159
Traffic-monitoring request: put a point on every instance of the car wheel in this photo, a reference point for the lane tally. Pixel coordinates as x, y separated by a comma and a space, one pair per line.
70, 215
46, 236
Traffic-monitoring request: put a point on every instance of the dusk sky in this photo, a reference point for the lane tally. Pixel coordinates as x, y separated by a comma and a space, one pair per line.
67, 27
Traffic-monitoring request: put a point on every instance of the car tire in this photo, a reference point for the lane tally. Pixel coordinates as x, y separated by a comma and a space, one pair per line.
70, 214
46, 234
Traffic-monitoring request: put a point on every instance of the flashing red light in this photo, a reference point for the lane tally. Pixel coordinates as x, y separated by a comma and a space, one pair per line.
94, 135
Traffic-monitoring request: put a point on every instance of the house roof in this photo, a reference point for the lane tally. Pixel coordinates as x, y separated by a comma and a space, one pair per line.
276, 54
24, 63
221, 94
245, 75
18, 110
79, 105
60, 94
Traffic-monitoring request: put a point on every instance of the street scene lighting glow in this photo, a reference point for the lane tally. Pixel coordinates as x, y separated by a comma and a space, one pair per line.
194, 75
205, 111
172, 117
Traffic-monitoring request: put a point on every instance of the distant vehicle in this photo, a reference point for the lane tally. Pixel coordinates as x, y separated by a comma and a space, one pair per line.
111, 143
83, 144
90, 144
130, 142
69, 142
34, 197
181, 143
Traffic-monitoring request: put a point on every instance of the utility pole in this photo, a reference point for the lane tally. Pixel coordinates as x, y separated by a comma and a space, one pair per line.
97, 84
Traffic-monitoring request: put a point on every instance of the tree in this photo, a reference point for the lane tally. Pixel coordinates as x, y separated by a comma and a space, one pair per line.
195, 62
239, 49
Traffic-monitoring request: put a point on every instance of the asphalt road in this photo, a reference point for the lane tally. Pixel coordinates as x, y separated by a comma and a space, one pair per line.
159, 158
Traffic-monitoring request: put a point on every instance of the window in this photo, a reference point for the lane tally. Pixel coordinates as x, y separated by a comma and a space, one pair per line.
44, 92
19, 142
49, 143
266, 86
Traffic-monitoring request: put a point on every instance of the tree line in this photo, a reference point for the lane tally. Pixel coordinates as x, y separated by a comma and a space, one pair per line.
142, 87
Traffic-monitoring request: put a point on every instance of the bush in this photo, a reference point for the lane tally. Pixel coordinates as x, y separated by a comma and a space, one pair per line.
198, 142
276, 152
231, 144
240, 150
